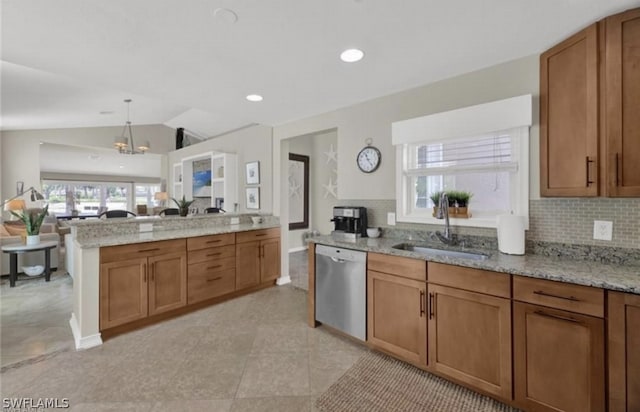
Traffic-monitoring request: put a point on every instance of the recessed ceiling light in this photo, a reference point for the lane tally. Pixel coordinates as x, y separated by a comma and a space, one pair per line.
254, 98
351, 55
226, 15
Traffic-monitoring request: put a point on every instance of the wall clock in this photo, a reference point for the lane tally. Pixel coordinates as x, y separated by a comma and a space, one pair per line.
369, 159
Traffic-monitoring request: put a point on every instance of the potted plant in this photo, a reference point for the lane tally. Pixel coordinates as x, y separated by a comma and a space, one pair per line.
32, 222
452, 196
183, 205
435, 198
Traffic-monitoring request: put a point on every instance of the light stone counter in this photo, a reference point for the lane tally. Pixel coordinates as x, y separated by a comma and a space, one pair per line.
620, 277
128, 238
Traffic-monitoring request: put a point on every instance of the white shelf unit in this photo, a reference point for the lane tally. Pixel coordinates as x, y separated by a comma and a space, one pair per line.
224, 178
176, 180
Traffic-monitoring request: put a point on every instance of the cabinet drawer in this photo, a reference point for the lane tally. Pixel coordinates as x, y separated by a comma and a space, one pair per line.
242, 237
401, 266
212, 253
476, 280
212, 266
137, 250
206, 285
203, 242
574, 298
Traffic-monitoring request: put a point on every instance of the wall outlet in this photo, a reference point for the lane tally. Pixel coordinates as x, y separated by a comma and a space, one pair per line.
146, 227
602, 230
391, 219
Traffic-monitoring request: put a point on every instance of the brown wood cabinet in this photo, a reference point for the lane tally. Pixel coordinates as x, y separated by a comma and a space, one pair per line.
257, 257
624, 351
589, 100
558, 359
212, 266
469, 312
622, 85
396, 306
141, 280
569, 116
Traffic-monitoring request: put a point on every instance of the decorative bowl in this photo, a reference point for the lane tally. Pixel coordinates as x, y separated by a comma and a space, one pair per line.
373, 232
33, 270
256, 219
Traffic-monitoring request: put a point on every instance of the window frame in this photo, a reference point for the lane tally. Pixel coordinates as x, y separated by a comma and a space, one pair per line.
519, 183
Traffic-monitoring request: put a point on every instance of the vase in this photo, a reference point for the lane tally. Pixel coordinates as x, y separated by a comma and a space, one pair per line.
32, 240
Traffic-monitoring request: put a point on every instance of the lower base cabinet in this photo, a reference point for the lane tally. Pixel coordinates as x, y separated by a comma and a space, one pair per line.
167, 282
396, 316
470, 338
624, 352
558, 360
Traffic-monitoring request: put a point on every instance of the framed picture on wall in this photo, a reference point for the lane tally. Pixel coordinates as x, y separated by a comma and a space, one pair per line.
253, 173
253, 198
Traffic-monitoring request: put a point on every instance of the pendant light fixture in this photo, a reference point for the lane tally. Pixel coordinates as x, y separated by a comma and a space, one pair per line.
124, 144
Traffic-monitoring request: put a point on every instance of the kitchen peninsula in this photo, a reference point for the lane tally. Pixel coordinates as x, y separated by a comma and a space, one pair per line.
132, 272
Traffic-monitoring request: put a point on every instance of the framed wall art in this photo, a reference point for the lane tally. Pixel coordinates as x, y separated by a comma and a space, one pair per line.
253, 173
253, 197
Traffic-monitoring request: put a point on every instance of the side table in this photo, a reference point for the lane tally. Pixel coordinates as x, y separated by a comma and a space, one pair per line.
16, 249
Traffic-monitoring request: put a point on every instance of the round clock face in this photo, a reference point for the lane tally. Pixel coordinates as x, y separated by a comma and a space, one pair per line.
369, 159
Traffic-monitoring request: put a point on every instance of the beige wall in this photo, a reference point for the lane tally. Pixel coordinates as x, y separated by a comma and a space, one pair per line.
249, 144
20, 153
372, 119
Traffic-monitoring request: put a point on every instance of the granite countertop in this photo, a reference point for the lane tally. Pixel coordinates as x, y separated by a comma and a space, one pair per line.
625, 278
156, 235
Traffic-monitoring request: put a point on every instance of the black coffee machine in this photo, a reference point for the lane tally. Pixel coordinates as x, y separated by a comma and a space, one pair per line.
350, 222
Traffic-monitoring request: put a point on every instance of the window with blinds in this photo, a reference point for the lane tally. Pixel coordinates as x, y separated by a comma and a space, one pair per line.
490, 166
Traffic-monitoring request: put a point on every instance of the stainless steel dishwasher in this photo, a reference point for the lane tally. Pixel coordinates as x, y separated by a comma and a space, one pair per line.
341, 289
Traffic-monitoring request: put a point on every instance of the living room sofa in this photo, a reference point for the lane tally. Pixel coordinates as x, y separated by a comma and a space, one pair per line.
47, 233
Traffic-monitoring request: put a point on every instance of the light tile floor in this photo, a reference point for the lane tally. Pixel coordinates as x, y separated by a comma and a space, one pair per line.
253, 353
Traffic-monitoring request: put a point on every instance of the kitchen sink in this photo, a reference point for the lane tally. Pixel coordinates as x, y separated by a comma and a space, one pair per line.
427, 251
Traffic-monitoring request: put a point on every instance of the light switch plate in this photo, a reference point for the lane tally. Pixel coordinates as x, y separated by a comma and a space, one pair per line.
391, 219
602, 230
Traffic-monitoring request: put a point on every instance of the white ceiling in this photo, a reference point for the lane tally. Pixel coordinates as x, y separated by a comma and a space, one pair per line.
71, 59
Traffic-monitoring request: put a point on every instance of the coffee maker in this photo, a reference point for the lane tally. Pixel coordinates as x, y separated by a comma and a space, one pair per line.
350, 222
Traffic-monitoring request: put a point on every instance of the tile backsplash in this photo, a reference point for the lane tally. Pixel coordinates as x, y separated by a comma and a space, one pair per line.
557, 220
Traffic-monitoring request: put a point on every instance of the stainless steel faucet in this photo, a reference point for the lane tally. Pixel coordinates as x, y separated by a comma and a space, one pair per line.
443, 213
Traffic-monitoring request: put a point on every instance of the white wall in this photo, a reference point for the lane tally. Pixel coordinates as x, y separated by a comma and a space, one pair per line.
20, 150
372, 119
251, 144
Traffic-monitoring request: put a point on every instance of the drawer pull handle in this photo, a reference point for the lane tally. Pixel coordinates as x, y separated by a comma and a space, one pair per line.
214, 254
214, 279
548, 315
421, 303
551, 295
214, 241
431, 305
214, 267
261, 234
149, 250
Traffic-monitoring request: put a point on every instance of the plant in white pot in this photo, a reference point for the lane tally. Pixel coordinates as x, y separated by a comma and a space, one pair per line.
32, 222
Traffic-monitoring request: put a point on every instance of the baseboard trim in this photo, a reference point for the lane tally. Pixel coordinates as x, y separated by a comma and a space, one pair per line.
283, 280
297, 249
83, 342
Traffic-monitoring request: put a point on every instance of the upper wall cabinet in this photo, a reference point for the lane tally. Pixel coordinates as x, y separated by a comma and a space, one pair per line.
589, 105
622, 115
569, 116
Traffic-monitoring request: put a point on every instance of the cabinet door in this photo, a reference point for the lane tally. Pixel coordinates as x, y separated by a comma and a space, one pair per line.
622, 69
624, 352
167, 282
270, 260
558, 360
470, 338
247, 264
123, 292
396, 316
569, 116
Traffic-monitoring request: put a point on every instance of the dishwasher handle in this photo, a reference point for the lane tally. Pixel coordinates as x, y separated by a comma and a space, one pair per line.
337, 260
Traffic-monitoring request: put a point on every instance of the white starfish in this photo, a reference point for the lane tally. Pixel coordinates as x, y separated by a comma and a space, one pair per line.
331, 155
294, 189
330, 188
